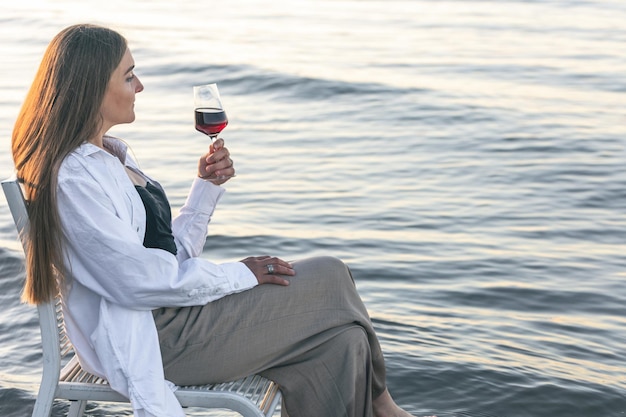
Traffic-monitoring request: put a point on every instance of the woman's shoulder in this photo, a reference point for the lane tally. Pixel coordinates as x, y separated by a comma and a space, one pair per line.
75, 160
84, 171
81, 161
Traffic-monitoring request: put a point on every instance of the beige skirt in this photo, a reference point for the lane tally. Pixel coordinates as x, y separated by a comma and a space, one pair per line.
313, 337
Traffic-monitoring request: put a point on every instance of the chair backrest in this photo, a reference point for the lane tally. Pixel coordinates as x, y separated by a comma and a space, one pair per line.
54, 341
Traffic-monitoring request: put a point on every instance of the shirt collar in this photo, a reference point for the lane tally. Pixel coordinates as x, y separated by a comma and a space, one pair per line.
113, 144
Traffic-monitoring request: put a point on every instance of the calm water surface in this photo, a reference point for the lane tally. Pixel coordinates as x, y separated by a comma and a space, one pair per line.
466, 158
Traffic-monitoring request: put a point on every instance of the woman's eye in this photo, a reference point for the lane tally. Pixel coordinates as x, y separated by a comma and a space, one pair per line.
131, 76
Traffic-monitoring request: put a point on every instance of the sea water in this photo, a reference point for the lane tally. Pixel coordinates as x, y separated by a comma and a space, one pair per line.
466, 159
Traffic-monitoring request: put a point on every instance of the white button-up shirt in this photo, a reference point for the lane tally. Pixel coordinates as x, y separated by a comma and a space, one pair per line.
114, 282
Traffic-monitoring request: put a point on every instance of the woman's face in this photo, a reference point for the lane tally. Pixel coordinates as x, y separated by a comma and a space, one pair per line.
119, 98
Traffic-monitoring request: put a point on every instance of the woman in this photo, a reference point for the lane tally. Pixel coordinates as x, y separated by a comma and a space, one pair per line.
141, 307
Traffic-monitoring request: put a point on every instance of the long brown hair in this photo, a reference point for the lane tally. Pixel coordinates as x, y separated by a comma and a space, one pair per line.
60, 112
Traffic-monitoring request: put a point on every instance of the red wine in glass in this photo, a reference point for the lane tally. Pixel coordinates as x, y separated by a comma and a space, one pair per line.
210, 115
210, 121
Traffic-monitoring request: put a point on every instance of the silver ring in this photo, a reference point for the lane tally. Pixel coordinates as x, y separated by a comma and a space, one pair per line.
270, 269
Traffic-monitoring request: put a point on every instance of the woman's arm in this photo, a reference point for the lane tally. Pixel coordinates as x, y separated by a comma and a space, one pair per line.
106, 255
190, 226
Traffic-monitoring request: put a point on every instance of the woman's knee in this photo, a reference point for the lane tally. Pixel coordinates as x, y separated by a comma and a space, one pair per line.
324, 267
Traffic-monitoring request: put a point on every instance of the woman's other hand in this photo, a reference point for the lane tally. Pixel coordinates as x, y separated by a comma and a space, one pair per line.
216, 163
268, 269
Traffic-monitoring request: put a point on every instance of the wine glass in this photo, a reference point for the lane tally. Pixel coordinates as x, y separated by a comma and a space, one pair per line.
210, 115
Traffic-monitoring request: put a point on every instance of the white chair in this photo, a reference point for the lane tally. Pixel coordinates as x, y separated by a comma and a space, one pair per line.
63, 378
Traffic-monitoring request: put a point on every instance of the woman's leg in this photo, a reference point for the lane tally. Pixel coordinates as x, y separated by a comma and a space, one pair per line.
277, 331
333, 379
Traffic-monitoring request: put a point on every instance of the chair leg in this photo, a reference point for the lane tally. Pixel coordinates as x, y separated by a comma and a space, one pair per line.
45, 397
43, 407
77, 408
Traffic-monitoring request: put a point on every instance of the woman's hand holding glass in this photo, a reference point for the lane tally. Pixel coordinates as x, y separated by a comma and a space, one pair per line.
216, 165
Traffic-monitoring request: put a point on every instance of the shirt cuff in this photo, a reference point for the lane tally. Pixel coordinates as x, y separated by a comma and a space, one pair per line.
240, 276
204, 196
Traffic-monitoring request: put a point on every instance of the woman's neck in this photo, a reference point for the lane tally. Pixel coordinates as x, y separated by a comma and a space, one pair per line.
98, 139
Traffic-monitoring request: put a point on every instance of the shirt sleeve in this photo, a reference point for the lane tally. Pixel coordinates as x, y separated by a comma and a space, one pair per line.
190, 226
105, 254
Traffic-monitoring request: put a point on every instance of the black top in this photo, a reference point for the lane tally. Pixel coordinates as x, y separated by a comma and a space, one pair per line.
158, 218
